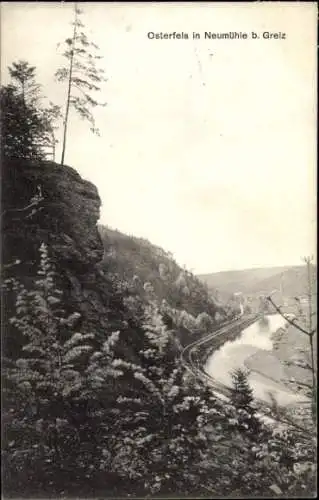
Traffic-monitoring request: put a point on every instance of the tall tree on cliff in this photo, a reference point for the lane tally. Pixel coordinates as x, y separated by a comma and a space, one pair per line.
81, 76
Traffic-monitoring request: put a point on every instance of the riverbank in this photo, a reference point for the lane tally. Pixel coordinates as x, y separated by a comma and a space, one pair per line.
259, 347
286, 369
287, 363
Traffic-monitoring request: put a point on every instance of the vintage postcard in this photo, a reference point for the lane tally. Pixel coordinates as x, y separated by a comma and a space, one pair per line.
158, 231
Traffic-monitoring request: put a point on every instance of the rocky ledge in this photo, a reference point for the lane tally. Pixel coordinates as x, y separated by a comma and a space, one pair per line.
65, 219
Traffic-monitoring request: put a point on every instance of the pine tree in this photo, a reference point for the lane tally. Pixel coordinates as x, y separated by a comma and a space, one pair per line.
19, 126
23, 77
242, 393
243, 400
27, 127
81, 76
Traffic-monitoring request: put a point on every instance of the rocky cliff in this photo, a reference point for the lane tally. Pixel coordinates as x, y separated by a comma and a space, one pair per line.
66, 220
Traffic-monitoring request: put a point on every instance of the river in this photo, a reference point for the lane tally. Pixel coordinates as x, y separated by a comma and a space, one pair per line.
256, 339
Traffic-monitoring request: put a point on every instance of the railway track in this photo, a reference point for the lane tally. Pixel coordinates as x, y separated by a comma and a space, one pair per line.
187, 355
195, 367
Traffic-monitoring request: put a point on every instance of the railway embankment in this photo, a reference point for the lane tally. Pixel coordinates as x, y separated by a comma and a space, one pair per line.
233, 331
195, 356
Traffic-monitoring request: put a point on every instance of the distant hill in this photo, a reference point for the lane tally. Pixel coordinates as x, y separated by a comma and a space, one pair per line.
243, 280
293, 282
293, 279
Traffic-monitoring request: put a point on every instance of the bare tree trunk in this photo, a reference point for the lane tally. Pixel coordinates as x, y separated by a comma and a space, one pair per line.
67, 108
309, 295
310, 331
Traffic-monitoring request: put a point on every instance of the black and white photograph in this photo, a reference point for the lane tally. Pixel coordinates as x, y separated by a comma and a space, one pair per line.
158, 250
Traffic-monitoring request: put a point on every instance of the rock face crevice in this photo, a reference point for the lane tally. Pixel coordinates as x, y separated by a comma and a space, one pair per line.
66, 220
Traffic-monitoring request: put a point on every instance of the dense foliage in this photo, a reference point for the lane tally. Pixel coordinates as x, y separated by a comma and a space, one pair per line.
27, 126
82, 415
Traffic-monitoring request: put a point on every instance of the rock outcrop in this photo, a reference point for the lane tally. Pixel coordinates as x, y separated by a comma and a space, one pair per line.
66, 220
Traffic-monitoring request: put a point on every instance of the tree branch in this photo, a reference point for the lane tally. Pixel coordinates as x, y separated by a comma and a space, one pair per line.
292, 322
303, 384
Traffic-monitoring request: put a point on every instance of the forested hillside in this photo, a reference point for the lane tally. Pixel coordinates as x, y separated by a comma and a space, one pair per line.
152, 272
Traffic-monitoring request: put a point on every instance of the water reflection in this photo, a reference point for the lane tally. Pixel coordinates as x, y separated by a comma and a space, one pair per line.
233, 354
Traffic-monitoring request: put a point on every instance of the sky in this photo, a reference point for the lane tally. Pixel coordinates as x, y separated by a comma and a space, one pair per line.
207, 146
